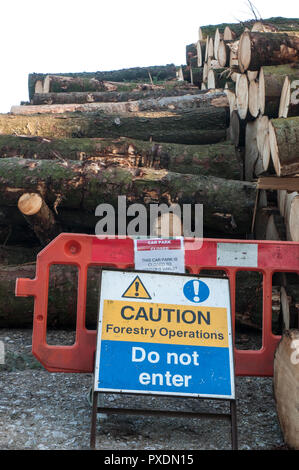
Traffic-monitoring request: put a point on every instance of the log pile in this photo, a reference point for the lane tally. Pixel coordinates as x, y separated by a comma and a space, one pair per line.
200, 133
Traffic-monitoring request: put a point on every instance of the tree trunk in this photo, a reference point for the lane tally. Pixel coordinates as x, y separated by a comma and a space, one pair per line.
228, 204
290, 306
210, 160
259, 49
201, 52
286, 384
263, 141
175, 89
200, 126
284, 141
217, 78
253, 161
137, 74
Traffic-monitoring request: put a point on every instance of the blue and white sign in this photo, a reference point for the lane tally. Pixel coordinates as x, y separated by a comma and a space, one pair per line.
176, 340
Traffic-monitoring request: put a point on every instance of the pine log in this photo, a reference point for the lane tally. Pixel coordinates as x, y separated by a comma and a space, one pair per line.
292, 219
214, 160
158, 73
229, 29
263, 141
253, 98
286, 384
271, 82
252, 75
173, 103
191, 54
144, 92
289, 101
217, 38
284, 141
276, 25
217, 78
233, 57
290, 306
201, 52
200, 126
40, 218
237, 130
242, 96
259, 49
58, 83
276, 229
223, 53
253, 160
228, 204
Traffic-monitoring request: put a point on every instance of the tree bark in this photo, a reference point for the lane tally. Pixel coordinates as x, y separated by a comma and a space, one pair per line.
137, 74
228, 204
200, 126
237, 130
173, 89
173, 103
210, 160
286, 384
284, 141
271, 81
259, 49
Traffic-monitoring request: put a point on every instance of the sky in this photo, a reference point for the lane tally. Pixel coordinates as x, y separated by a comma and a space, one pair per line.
75, 36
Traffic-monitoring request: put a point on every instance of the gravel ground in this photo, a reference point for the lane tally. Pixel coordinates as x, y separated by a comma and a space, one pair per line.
42, 410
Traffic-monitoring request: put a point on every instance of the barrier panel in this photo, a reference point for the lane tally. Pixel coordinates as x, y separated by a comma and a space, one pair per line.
83, 251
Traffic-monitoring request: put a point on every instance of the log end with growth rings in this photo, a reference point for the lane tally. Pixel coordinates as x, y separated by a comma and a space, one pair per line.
30, 203
244, 52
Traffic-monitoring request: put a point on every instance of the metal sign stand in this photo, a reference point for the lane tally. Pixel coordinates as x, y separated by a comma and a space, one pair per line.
232, 416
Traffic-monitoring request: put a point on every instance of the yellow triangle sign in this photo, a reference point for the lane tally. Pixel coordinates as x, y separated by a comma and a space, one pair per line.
136, 290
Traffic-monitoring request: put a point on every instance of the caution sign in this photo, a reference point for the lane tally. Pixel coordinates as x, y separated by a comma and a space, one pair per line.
136, 290
164, 334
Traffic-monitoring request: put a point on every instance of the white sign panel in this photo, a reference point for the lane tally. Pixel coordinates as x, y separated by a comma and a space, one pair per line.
160, 254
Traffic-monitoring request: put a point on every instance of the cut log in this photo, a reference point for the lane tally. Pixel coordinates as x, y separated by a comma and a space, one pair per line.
287, 214
217, 39
284, 141
201, 52
217, 78
242, 96
275, 25
39, 86
233, 58
253, 98
271, 95
290, 306
172, 103
57, 83
137, 74
191, 54
252, 156
286, 384
293, 219
210, 48
223, 54
228, 34
289, 101
40, 218
276, 229
263, 141
252, 75
231, 96
259, 49
237, 130
218, 159
144, 92
189, 127
228, 204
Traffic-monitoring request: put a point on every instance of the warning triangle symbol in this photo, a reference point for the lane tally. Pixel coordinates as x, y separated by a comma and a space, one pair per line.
136, 290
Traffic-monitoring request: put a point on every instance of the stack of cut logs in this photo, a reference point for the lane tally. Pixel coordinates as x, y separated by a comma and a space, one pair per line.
200, 133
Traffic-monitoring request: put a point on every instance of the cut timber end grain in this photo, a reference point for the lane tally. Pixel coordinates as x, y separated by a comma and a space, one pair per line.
284, 143
242, 96
30, 203
286, 385
223, 53
294, 219
253, 101
263, 143
285, 99
38, 86
244, 52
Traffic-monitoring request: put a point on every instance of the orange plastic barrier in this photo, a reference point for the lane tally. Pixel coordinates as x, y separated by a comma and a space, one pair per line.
83, 251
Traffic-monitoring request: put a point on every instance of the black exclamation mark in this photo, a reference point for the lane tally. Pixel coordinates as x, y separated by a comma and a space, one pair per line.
136, 288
